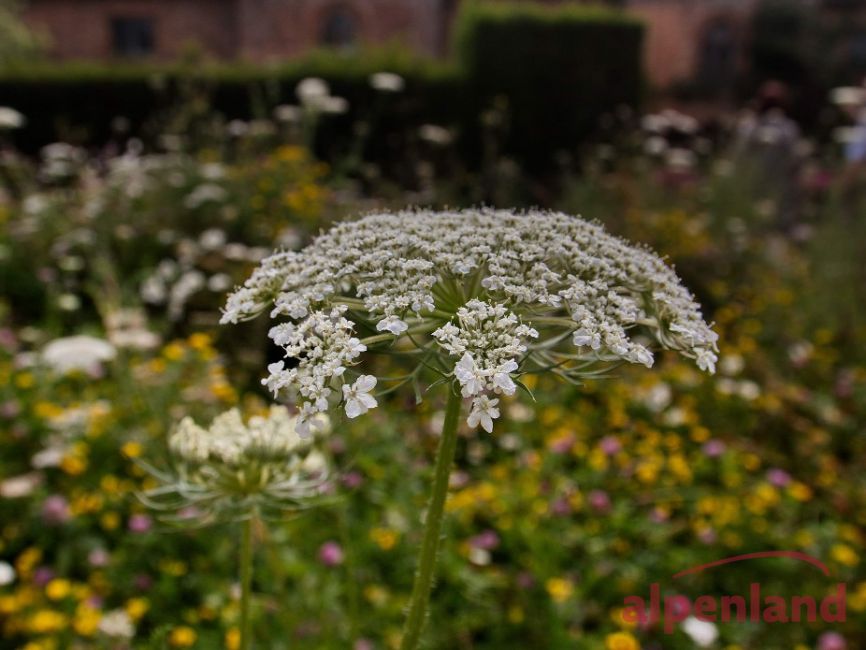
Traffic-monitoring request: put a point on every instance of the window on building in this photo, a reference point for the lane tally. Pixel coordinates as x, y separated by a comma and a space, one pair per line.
717, 68
339, 28
132, 36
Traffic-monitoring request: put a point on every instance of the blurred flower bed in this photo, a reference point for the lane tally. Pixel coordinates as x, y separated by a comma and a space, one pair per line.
114, 269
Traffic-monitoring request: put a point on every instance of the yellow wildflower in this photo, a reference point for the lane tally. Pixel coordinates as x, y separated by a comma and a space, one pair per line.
132, 449
559, 589
58, 589
174, 351
136, 608
182, 637
86, 620
800, 491
200, 341
621, 641
25, 380
844, 554
45, 621
384, 538
110, 521
28, 559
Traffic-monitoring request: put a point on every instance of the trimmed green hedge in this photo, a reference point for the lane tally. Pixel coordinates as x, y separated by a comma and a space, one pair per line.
559, 68
78, 101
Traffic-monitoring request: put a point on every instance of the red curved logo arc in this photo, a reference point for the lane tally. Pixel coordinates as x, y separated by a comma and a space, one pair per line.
796, 555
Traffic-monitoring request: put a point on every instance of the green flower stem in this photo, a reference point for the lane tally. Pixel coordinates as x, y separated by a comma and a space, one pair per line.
246, 569
432, 526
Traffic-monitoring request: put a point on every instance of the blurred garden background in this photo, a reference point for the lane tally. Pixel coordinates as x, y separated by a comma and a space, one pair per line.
148, 162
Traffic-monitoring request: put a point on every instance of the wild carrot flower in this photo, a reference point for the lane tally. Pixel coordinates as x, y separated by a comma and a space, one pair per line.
235, 468
239, 471
481, 296
85, 353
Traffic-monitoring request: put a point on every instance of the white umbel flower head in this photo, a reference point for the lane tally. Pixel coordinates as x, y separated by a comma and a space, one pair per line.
10, 118
84, 353
233, 466
117, 624
703, 633
312, 89
7, 574
387, 82
314, 94
483, 296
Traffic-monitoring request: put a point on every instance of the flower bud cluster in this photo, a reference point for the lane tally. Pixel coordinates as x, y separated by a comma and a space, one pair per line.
233, 466
489, 339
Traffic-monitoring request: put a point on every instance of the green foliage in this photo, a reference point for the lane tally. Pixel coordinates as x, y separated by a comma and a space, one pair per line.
79, 101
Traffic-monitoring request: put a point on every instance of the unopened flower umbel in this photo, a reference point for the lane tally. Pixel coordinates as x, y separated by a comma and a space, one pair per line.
234, 468
490, 295
239, 472
479, 297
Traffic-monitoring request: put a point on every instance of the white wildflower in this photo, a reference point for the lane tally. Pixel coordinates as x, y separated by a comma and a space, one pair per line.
153, 290
483, 413
435, 134
314, 94
213, 171
219, 282
212, 239
848, 96
392, 324
357, 396
10, 118
117, 624
187, 285
237, 128
7, 574
490, 338
311, 89
17, 487
702, 633
332, 105
706, 360
205, 193
233, 464
387, 82
86, 353
49, 457
485, 295
468, 375
68, 302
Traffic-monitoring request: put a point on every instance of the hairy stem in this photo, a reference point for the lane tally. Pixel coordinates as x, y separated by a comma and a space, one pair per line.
246, 571
432, 527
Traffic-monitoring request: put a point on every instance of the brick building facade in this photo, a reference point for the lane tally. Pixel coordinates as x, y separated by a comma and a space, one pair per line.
256, 30
684, 39
690, 38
